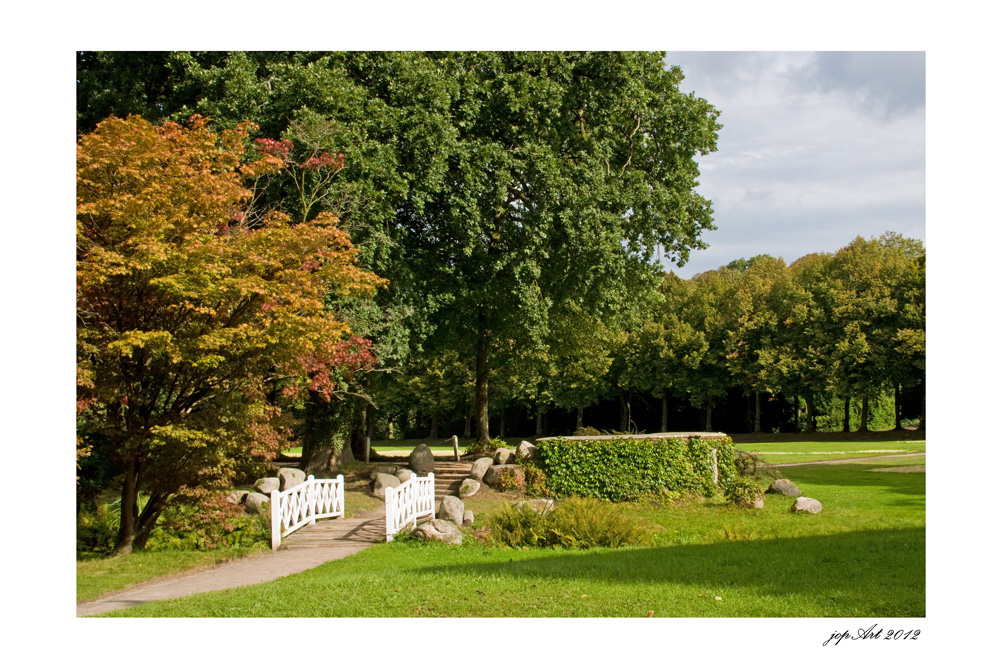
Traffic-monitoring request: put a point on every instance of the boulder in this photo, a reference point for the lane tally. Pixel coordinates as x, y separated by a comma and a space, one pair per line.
266, 485
290, 477
237, 497
757, 503
480, 467
381, 469
452, 509
785, 487
255, 503
503, 456
469, 487
468, 518
404, 474
421, 460
440, 531
383, 481
526, 451
492, 475
807, 505
540, 505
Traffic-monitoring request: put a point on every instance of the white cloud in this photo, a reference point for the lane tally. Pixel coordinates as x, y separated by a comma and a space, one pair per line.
816, 149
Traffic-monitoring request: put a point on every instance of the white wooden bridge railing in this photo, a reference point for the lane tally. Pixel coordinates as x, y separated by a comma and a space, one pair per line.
407, 502
301, 505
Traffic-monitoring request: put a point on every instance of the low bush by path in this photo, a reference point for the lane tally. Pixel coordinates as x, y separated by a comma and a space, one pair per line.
863, 556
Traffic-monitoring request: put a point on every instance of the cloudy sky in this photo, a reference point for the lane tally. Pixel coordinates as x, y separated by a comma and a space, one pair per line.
817, 148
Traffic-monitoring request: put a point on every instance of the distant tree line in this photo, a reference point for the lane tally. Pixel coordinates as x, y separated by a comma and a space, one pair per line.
835, 341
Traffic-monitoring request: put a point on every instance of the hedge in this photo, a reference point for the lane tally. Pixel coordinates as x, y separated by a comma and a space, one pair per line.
625, 469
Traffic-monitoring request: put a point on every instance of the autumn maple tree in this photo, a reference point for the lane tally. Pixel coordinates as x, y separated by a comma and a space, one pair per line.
198, 324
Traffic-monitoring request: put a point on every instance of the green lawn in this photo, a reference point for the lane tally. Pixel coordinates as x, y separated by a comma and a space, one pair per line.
808, 451
864, 556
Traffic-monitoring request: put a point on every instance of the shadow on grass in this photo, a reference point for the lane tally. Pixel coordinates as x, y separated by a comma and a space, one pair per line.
881, 571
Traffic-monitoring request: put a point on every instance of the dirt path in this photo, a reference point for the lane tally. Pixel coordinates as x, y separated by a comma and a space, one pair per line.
346, 537
864, 458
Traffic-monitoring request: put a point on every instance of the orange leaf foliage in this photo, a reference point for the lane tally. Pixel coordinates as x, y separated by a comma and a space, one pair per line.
191, 320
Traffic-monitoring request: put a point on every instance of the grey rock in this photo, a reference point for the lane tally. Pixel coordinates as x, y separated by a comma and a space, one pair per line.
540, 505
492, 475
468, 518
480, 466
237, 497
266, 485
469, 487
785, 487
383, 481
290, 477
807, 505
757, 503
452, 509
503, 456
257, 503
526, 451
421, 460
439, 530
381, 469
404, 474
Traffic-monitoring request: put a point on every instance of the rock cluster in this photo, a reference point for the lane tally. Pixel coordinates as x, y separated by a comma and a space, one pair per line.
254, 501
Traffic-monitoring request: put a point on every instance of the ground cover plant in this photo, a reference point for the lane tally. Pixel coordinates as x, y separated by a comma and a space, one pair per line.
864, 556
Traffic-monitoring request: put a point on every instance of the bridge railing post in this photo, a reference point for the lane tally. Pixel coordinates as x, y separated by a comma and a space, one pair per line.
275, 519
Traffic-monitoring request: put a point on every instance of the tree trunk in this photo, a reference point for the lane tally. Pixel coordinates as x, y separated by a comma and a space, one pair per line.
467, 429
756, 412
923, 409
503, 423
663, 413
129, 511
622, 413
434, 427
708, 416
847, 414
538, 420
810, 415
579, 418
147, 520
864, 414
482, 393
897, 397
747, 415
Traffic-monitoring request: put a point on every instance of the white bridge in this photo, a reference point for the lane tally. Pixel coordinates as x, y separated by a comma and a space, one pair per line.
408, 502
301, 505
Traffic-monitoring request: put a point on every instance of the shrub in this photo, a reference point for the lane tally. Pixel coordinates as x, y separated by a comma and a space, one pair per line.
744, 491
517, 527
510, 479
584, 523
202, 519
97, 528
534, 480
626, 469
575, 523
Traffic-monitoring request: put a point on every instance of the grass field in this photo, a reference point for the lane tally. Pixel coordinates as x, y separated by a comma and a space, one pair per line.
807, 451
864, 556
